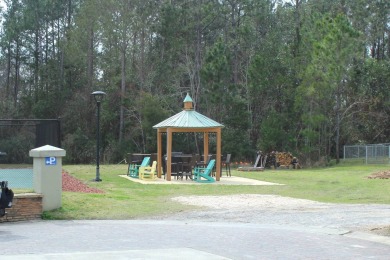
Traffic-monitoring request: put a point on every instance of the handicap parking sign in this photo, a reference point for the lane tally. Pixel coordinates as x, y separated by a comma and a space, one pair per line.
50, 161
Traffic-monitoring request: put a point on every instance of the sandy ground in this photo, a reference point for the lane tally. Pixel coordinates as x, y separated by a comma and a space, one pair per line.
272, 209
233, 180
268, 209
249, 202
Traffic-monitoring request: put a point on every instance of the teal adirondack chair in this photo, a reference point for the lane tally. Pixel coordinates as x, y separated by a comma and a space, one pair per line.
202, 174
134, 168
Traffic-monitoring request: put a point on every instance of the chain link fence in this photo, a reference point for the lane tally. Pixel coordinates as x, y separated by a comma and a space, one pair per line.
17, 138
19, 178
368, 153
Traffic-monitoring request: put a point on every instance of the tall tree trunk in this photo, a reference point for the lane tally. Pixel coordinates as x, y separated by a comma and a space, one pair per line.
142, 59
198, 59
90, 58
60, 54
47, 44
36, 64
17, 72
234, 40
337, 138
69, 15
297, 28
123, 92
8, 72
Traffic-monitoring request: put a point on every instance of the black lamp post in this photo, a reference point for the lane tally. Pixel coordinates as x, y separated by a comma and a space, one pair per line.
98, 95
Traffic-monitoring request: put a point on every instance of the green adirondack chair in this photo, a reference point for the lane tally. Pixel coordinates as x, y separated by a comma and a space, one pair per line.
202, 174
134, 168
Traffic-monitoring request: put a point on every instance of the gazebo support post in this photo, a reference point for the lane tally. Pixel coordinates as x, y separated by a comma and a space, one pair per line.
159, 152
219, 155
169, 153
205, 146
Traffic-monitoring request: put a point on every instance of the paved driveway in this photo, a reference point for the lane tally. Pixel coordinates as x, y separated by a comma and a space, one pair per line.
246, 226
152, 239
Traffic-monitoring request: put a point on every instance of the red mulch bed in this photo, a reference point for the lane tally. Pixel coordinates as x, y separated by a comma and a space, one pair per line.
380, 175
70, 183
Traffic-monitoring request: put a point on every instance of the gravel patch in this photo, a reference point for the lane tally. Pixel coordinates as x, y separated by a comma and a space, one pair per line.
278, 210
249, 202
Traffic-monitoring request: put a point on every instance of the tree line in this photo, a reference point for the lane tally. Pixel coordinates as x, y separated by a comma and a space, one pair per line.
304, 76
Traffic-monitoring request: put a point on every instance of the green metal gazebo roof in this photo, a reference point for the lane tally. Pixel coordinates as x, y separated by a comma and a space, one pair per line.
188, 118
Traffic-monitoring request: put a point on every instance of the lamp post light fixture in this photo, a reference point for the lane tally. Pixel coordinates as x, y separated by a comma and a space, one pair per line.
98, 95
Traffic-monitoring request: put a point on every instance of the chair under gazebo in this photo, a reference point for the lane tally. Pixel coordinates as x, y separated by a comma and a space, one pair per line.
187, 121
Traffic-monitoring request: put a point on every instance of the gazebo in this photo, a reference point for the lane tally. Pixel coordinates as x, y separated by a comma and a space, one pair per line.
187, 121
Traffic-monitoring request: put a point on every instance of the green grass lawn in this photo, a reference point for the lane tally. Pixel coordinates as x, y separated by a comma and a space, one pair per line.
124, 199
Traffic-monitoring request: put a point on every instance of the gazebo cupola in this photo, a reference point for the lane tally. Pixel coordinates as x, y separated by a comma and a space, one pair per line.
188, 103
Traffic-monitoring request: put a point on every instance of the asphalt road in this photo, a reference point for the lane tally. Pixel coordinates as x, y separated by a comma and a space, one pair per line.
182, 239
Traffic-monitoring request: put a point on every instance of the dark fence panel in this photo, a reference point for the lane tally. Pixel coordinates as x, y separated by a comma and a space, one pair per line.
19, 136
48, 132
